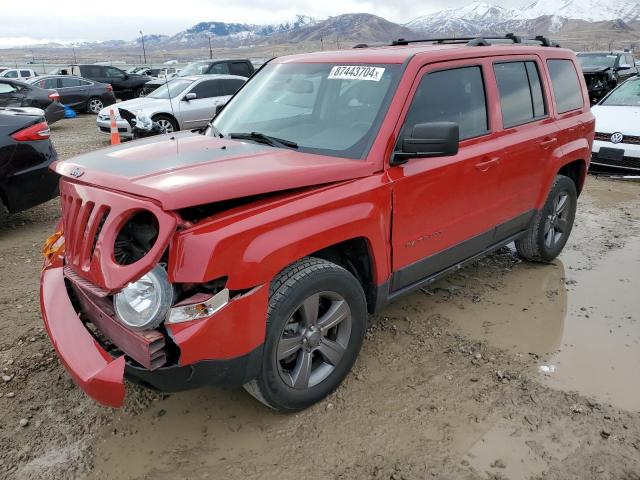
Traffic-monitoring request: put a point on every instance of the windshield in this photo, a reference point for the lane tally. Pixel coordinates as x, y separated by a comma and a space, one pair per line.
195, 68
171, 89
323, 108
597, 59
627, 94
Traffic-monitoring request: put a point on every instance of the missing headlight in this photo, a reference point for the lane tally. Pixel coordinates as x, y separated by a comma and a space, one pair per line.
136, 238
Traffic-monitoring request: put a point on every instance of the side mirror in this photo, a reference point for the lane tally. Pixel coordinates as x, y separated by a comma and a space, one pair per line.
434, 139
190, 96
219, 108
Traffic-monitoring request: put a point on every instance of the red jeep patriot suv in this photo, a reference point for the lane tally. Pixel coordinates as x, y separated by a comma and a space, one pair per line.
252, 253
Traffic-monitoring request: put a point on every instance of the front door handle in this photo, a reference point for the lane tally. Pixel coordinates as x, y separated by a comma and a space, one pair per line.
487, 164
547, 142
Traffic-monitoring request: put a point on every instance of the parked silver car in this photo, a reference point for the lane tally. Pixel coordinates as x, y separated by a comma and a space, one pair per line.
180, 104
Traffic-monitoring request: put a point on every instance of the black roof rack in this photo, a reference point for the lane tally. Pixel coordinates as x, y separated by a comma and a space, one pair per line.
484, 41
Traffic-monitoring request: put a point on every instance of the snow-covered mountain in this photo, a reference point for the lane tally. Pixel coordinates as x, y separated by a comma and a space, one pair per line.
474, 18
587, 10
540, 15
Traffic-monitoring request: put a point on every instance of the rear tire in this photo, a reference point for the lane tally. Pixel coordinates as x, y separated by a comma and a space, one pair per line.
316, 322
94, 105
551, 226
170, 125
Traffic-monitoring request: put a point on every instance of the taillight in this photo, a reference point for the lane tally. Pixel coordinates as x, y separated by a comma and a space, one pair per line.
39, 131
109, 88
54, 96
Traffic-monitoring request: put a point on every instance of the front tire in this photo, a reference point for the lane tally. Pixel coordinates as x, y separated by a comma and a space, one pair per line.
316, 322
169, 124
551, 226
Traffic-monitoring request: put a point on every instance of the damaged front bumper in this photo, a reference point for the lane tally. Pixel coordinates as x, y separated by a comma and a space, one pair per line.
223, 349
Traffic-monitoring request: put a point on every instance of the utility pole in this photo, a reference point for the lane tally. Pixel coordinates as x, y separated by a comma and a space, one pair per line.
321, 44
75, 60
210, 51
143, 50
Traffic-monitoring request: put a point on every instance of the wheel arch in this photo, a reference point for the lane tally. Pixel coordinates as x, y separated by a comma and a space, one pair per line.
168, 115
576, 170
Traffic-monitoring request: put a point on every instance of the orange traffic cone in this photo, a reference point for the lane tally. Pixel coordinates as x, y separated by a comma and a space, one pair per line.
115, 134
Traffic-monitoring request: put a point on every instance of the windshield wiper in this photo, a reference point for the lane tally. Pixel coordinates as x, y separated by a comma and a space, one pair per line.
261, 137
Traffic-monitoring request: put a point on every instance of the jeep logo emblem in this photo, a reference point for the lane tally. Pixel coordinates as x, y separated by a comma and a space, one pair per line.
616, 137
76, 172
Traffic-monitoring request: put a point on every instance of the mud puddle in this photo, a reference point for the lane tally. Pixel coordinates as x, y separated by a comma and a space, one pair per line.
580, 315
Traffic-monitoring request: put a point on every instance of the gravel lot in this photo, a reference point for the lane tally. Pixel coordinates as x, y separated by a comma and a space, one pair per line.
503, 370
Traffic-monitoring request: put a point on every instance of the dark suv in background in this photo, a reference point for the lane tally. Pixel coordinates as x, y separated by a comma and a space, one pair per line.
603, 71
125, 85
239, 67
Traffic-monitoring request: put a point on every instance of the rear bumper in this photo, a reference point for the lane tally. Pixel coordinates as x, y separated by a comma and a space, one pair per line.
29, 188
224, 349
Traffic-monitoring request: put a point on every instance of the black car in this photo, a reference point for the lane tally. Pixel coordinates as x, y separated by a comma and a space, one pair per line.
25, 155
225, 66
78, 93
125, 85
603, 71
14, 93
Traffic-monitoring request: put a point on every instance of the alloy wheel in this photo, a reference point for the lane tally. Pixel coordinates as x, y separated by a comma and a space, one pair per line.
557, 222
166, 124
95, 105
314, 340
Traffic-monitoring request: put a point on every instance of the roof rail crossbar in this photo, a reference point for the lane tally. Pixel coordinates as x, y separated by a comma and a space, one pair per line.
483, 41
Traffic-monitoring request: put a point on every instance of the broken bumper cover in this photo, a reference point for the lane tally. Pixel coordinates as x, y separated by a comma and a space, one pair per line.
91, 367
224, 349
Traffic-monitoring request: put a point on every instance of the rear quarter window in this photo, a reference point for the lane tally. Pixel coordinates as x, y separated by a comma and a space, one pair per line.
566, 86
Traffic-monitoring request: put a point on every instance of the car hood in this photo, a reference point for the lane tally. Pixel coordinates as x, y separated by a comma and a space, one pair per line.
611, 119
188, 169
595, 69
142, 103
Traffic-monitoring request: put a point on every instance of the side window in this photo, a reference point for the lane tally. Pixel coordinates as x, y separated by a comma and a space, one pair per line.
12, 74
92, 72
231, 86
7, 88
521, 98
48, 83
456, 95
85, 83
629, 61
70, 82
114, 73
208, 89
241, 69
25, 73
566, 86
219, 68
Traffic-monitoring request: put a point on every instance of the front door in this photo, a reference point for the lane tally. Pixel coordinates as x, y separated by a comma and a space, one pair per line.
200, 110
445, 209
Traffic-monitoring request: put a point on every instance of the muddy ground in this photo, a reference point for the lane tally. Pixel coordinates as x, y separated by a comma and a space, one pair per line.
505, 370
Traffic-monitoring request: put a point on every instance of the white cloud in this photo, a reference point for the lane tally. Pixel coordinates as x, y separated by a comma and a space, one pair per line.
67, 20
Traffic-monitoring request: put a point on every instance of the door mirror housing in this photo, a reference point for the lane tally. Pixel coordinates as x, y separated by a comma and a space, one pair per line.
219, 108
190, 96
433, 139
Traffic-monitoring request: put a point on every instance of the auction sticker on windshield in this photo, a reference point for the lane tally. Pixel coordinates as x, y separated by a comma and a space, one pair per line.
356, 72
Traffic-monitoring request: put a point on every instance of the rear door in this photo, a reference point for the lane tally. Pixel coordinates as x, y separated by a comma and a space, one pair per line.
528, 138
445, 208
199, 111
72, 92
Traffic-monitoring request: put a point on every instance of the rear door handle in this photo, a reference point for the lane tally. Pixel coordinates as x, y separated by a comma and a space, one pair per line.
547, 142
486, 165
